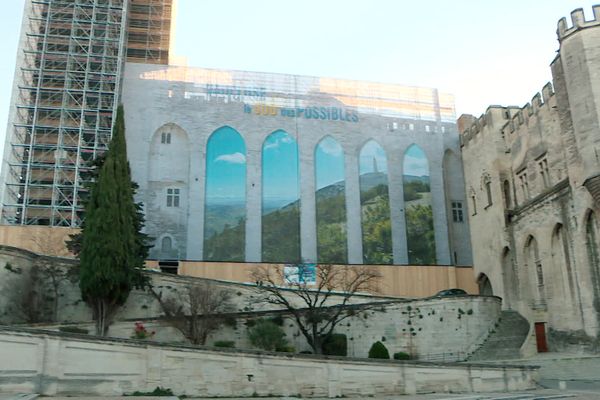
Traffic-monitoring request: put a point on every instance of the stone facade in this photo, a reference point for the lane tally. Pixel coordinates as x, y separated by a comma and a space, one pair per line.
54, 364
532, 187
167, 101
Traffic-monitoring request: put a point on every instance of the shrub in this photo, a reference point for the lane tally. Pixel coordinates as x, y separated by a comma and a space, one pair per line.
335, 345
224, 343
140, 332
159, 391
73, 329
401, 356
378, 350
267, 335
286, 349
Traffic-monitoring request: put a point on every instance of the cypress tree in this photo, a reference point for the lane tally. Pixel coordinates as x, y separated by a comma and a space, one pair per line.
112, 251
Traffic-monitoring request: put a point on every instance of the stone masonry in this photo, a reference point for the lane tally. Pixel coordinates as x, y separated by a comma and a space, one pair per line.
532, 185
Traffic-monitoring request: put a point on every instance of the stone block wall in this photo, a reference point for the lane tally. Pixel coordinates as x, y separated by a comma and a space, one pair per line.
59, 364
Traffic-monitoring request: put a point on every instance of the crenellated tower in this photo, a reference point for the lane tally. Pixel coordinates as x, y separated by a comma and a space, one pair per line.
576, 72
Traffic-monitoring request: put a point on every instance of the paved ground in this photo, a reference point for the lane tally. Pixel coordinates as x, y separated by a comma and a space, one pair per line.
565, 371
544, 394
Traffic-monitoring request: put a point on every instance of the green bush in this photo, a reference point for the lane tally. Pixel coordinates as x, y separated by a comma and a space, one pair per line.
378, 350
224, 343
159, 391
73, 329
267, 335
401, 356
286, 349
335, 345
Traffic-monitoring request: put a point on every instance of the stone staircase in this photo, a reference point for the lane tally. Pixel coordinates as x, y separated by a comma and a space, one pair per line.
504, 343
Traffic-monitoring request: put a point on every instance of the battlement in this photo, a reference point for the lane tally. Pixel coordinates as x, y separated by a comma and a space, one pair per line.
513, 117
578, 22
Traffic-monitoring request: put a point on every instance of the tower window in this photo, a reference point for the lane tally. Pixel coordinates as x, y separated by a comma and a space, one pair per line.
522, 177
165, 138
544, 172
172, 197
457, 211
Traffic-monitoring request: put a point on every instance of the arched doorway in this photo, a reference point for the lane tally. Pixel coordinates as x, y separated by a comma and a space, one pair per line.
485, 286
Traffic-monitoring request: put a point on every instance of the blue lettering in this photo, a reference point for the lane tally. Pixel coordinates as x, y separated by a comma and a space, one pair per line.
323, 113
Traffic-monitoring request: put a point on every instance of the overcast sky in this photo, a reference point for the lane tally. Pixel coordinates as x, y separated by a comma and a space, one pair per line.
483, 51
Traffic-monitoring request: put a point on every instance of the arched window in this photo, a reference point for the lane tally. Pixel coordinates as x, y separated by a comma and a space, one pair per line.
165, 245
375, 205
420, 236
563, 282
280, 199
534, 266
330, 202
225, 196
487, 183
506, 191
591, 233
509, 276
485, 286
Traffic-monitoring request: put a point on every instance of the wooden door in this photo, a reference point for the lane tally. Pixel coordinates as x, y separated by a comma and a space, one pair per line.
540, 337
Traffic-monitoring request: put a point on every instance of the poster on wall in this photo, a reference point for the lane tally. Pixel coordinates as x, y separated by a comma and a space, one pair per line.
330, 198
225, 209
375, 205
303, 274
420, 235
280, 199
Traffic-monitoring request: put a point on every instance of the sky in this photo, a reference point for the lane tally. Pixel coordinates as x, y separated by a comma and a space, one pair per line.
483, 51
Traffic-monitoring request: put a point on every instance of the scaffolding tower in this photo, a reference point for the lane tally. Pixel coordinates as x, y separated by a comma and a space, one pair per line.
149, 31
66, 93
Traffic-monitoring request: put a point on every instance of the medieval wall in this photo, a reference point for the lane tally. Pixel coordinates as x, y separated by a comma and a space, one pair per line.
526, 171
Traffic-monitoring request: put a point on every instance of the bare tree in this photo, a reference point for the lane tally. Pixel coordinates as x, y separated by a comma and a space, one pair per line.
312, 306
196, 311
53, 274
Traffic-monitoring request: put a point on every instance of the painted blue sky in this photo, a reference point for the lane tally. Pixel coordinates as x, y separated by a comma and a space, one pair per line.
225, 167
329, 163
415, 162
371, 152
280, 181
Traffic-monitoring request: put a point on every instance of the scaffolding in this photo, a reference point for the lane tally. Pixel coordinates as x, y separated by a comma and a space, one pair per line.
149, 31
66, 95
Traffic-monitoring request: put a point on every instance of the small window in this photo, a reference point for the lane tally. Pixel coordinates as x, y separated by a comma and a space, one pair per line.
165, 138
443, 129
394, 125
172, 197
457, 211
474, 204
488, 192
170, 93
544, 172
524, 184
427, 128
411, 127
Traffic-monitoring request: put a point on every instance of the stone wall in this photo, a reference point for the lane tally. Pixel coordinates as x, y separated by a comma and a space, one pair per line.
442, 329
59, 364
140, 304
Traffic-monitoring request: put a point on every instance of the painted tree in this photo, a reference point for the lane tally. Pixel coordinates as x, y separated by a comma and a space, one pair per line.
111, 254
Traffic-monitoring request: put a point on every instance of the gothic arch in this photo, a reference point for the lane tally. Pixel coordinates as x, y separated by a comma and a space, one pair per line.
375, 204
593, 255
330, 199
280, 198
225, 194
418, 207
485, 285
